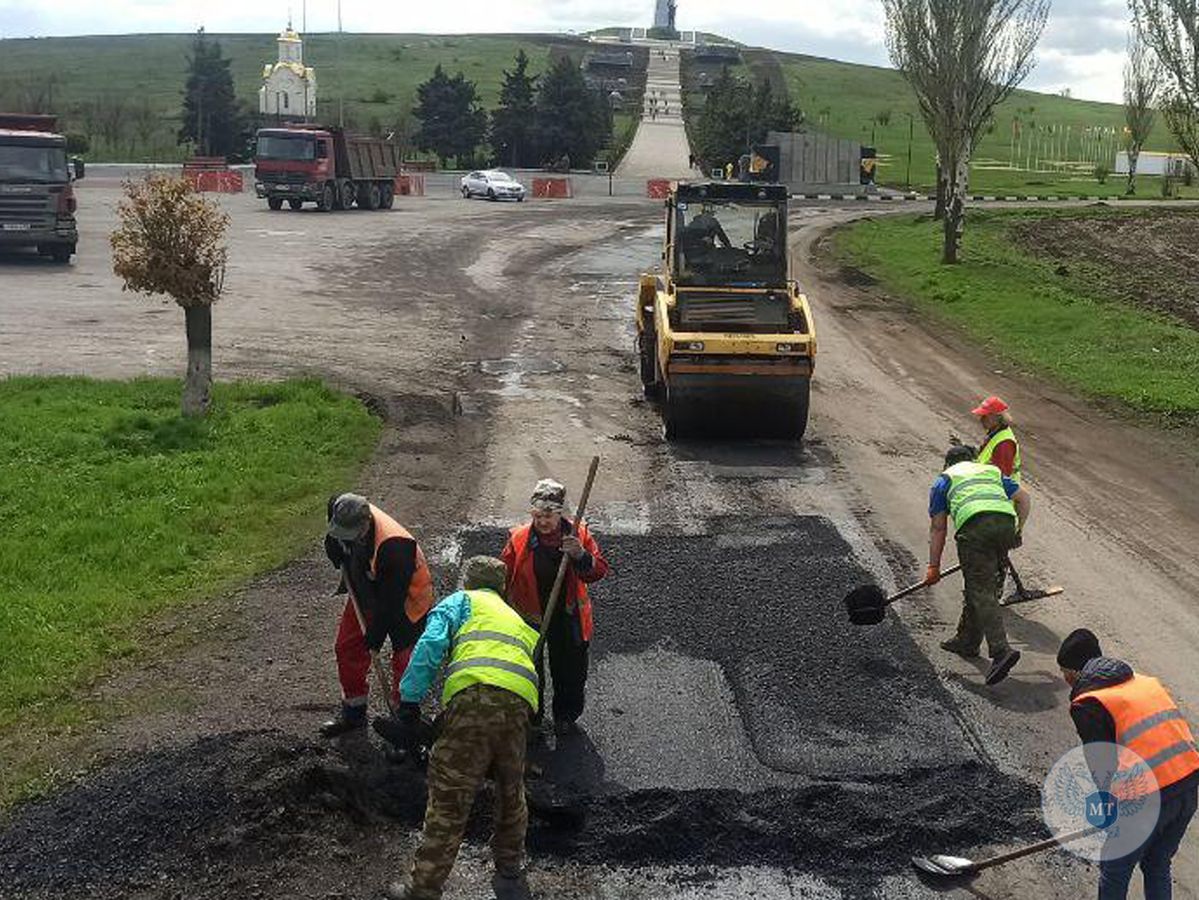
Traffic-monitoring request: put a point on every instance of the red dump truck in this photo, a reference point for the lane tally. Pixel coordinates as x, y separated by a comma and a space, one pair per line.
37, 199
325, 166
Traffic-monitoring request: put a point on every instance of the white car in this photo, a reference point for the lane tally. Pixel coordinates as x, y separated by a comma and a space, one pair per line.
492, 184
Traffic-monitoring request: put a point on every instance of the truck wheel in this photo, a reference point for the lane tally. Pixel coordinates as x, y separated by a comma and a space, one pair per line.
368, 197
346, 194
325, 202
62, 253
387, 196
296, 203
275, 203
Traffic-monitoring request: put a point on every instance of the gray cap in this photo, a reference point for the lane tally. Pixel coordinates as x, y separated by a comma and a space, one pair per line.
484, 573
350, 518
548, 496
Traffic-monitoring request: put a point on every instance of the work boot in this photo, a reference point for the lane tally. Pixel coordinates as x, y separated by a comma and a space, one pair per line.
961, 648
349, 719
1001, 664
510, 886
566, 728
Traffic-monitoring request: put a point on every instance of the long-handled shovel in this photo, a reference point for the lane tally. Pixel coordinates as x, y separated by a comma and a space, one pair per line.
960, 867
867, 605
376, 663
1022, 594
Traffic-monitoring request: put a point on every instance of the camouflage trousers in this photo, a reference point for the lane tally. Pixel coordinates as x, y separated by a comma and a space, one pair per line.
483, 734
983, 544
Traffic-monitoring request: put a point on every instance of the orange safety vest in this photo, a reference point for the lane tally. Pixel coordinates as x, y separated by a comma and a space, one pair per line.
522, 590
1149, 724
420, 590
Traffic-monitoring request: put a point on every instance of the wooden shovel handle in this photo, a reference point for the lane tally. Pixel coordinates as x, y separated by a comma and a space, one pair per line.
376, 663
551, 605
1035, 848
911, 589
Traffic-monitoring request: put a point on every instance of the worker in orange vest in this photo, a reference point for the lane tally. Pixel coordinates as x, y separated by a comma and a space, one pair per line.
394, 588
531, 556
1113, 705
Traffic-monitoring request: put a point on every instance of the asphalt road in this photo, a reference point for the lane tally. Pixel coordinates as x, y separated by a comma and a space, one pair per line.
741, 740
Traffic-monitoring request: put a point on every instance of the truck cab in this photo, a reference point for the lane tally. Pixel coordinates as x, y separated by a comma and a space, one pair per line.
37, 198
725, 336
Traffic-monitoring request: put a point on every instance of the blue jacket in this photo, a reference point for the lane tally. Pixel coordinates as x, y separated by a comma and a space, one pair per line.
444, 621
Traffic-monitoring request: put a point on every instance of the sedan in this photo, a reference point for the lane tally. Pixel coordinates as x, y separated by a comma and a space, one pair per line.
493, 185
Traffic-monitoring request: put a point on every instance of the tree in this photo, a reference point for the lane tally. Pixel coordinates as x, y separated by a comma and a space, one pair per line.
212, 119
962, 58
171, 240
512, 122
452, 123
738, 114
1142, 74
570, 119
1170, 28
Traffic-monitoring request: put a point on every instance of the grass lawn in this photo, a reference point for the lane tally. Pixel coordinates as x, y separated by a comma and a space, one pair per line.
116, 508
1031, 310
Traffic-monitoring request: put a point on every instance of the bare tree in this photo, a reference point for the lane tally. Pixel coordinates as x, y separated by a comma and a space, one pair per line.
1142, 75
962, 59
1171, 29
171, 240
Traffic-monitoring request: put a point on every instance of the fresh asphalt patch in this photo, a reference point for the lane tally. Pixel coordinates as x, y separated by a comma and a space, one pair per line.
735, 719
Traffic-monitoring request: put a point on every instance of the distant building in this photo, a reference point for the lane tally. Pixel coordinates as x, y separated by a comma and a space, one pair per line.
1150, 163
288, 86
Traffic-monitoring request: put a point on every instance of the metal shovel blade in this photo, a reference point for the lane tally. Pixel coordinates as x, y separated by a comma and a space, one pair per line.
866, 605
1036, 594
944, 866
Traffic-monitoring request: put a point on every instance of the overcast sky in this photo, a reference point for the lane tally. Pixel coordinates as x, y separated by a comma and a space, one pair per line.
1082, 49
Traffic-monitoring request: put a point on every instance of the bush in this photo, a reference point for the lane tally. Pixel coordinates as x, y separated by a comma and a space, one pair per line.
1102, 170
1169, 187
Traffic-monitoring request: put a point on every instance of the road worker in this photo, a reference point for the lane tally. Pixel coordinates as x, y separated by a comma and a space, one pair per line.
532, 556
988, 512
391, 581
1112, 706
490, 693
1001, 449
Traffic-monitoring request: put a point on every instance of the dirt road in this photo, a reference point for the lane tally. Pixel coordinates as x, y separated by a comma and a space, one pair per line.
739, 740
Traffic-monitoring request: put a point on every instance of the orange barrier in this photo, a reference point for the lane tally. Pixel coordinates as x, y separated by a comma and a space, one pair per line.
212, 174
409, 185
552, 188
657, 188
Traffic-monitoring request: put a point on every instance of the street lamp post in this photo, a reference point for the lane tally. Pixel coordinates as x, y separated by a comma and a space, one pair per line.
911, 132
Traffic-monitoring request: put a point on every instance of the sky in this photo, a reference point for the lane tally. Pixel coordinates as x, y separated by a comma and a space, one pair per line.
1082, 48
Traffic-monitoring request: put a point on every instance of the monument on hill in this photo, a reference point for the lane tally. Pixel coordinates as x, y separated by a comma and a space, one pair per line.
664, 14
288, 86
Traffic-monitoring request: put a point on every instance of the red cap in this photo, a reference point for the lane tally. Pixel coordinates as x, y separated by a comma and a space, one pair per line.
990, 407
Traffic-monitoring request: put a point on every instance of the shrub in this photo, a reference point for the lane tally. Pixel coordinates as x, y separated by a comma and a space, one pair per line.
1102, 170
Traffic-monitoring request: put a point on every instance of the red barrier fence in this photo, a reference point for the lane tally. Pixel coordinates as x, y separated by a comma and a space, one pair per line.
409, 185
552, 188
211, 174
657, 188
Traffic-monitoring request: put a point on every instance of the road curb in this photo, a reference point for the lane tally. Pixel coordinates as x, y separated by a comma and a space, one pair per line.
974, 198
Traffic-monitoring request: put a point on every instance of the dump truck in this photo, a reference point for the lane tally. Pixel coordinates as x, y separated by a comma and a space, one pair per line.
37, 198
725, 336
325, 166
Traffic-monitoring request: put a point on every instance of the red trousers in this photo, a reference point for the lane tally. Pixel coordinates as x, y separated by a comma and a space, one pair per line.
354, 661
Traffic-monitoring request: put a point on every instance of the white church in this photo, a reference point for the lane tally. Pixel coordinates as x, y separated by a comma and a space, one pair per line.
288, 86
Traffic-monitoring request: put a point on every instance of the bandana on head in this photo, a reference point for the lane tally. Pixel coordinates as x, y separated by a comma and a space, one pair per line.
548, 496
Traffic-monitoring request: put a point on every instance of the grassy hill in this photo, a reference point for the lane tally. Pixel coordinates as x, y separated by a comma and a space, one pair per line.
377, 74
872, 105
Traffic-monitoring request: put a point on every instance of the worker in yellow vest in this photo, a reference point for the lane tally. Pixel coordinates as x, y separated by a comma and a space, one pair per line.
988, 512
490, 695
1112, 706
1001, 448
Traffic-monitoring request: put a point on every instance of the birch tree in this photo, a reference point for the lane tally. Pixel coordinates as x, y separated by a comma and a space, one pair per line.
1142, 75
962, 58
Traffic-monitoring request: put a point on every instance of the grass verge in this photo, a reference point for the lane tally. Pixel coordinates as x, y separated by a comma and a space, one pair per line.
117, 508
1033, 311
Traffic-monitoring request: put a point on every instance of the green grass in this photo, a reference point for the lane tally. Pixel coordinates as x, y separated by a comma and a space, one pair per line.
376, 74
1018, 307
844, 99
116, 509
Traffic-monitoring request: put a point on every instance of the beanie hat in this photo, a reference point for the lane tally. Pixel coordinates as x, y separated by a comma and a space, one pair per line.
1079, 648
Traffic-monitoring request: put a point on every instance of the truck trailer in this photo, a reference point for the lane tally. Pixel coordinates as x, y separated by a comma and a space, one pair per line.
325, 166
37, 199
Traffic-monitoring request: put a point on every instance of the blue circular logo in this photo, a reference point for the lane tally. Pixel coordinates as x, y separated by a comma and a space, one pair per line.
1101, 801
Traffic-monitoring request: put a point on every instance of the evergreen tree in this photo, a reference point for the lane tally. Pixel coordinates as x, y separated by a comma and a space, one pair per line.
571, 119
738, 114
212, 119
512, 123
452, 123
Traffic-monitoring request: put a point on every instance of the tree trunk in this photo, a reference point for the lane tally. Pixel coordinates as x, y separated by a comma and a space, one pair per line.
1132, 171
197, 387
939, 210
955, 210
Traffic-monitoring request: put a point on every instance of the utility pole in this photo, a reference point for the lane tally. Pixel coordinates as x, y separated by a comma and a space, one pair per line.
341, 75
911, 130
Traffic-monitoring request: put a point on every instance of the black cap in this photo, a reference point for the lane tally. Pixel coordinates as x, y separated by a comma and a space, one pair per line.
1079, 648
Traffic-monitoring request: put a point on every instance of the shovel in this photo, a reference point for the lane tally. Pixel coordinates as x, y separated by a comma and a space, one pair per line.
867, 605
960, 867
1022, 594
